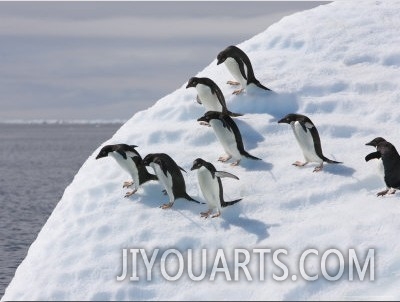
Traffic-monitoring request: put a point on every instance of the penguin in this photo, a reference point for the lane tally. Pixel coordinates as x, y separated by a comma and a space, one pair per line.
210, 95
129, 160
228, 134
308, 138
170, 176
391, 165
211, 186
374, 143
239, 65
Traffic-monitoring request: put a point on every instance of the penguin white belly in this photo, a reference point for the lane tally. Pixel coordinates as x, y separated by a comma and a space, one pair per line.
226, 138
306, 143
209, 100
209, 187
165, 180
381, 170
234, 69
129, 166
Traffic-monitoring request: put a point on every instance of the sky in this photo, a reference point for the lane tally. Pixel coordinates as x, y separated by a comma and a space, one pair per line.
107, 60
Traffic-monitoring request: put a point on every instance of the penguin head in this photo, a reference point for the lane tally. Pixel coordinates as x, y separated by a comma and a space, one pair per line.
148, 159
192, 82
375, 141
291, 117
386, 148
210, 115
197, 164
104, 151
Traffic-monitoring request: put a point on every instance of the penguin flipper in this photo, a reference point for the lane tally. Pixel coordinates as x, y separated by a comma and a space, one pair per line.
229, 203
222, 174
180, 168
373, 155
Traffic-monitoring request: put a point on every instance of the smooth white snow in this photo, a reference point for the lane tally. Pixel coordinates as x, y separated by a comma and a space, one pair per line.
339, 64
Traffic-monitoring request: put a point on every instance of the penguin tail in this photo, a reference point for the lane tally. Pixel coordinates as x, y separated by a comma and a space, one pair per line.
246, 154
233, 114
258, 84
229, 203
330, 161
186, 196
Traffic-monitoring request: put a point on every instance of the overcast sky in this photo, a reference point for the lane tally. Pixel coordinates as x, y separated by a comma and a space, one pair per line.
107, 60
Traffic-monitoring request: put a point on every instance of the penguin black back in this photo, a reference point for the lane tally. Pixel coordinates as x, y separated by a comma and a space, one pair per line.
391, 164
168, 165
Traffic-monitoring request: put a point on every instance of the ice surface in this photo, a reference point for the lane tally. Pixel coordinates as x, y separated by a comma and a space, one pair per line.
339, 65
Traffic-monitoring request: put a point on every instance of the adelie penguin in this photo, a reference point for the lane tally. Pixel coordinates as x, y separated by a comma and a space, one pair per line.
308, 138
211, 186
391, 165
228, 134
239, 65
210, 95
374, 143
169, 175
131, 161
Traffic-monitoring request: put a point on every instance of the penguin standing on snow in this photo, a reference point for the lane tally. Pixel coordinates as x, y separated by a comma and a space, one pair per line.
210, 95
308, 138
131, 161
374, 143
391, 165
211, 186
239, 65
228, 135
170, 176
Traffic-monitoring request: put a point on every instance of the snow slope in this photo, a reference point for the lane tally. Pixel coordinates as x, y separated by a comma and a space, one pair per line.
339, 64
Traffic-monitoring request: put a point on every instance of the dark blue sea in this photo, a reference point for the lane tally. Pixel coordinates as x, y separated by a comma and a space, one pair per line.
37, 163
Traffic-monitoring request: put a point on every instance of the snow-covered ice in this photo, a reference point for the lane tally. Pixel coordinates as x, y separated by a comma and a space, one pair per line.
339, 64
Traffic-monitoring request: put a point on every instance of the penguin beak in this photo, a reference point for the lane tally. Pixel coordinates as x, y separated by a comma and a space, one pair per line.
193, 168
219, 61
100, 156
190, 84
370, 144
282, 121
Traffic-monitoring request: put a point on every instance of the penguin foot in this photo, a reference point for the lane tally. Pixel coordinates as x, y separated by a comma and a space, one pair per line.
130, 193
167, 205
239, 91
299, 164
236, 163
127, 184
319, 168
224, 158
216, 215
234, 83
205, 214
386, 192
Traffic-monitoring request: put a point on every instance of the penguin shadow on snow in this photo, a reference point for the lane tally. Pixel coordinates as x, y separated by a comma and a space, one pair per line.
340, 169
256, 100
232, 217
153, 197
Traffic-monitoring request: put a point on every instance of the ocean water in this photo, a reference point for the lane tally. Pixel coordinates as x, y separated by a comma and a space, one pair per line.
37, 163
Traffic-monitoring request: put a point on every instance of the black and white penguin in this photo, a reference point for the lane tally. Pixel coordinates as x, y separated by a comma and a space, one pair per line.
239, 65
391, 165
228, 135
210, 95
131, 161
211, 186
308, 138
170, 176
374, 143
